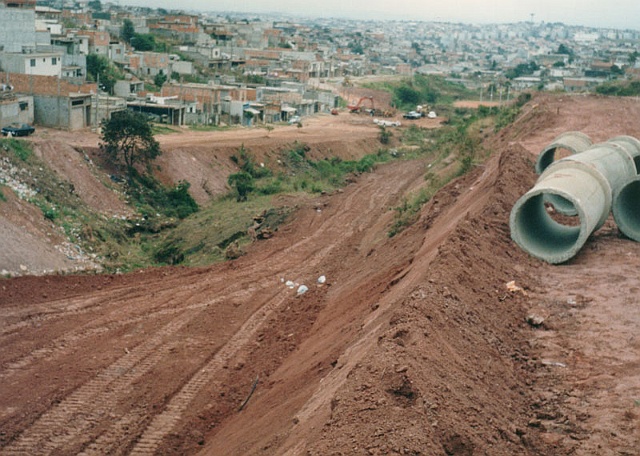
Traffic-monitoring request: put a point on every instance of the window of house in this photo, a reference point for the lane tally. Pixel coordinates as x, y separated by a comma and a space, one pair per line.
76, 102
54, 60
23, 105
33, 62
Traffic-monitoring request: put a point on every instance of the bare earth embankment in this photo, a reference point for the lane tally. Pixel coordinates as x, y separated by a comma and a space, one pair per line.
414, 345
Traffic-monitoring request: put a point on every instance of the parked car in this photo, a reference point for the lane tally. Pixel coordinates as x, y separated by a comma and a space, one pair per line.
18, 130
295, 120
412, 115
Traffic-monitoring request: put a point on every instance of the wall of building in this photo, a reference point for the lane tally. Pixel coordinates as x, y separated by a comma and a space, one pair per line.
16, 110
17, 29
36, 64
52, 111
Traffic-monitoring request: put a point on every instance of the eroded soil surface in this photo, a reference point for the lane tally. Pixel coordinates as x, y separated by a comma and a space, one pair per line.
413, 345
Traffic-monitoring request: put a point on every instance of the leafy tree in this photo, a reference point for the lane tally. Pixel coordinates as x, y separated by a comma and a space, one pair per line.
143, 42
522, 70
99, 68
615, 69
95, 5
160, 79
128, 31
356, 48
243, 183
407, 95
563, 49
127, 137
633, 57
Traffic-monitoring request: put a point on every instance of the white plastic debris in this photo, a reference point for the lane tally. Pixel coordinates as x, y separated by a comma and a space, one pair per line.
322, 279
290, 284
302, 289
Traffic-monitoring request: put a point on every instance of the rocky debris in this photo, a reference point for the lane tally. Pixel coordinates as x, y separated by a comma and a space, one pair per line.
535, 320
10, 176
233, 251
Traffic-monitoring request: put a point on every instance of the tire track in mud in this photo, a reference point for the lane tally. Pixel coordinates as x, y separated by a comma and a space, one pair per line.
90, 403
113, 320
83, 409
79, 305
66, 342
163, 423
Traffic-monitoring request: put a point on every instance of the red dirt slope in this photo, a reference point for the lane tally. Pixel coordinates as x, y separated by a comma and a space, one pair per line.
414, 345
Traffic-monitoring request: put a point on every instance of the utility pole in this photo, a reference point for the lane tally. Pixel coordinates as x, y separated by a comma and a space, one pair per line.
97, 99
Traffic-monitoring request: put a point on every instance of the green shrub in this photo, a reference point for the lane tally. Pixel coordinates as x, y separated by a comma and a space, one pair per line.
384, 136
271, 188
243, 184
152, 197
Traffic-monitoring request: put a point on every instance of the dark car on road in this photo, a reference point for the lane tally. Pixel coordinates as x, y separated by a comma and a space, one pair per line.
18, 130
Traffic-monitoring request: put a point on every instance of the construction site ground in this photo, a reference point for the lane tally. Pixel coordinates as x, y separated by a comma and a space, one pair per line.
414, 344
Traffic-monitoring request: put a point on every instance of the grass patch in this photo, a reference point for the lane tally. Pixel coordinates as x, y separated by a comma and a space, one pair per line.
201, 127
297, 172
161, 129
422, 90
204, 237
20, 149
151, 197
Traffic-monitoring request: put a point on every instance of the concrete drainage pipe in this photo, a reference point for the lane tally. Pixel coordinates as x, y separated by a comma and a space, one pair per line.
572, 141
626, 209
626, 201
631, 145
585, 182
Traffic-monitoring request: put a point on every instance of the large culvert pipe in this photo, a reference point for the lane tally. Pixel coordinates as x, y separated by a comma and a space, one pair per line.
626, 209
586, 182
631, 145
626, 201
573, 141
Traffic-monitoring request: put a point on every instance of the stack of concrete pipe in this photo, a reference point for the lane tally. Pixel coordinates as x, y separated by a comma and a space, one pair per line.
590, 183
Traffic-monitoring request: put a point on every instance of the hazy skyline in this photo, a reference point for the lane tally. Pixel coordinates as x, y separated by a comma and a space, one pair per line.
594, 13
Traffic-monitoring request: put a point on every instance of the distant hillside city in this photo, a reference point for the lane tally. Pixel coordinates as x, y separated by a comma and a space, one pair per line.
72, 64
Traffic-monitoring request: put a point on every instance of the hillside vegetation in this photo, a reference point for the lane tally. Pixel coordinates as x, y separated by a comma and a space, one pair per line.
165, 226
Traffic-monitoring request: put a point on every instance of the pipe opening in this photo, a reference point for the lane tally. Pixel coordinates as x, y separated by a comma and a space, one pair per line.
541, 235
548, 156
561, 217
636, 160
626, 210
561, 205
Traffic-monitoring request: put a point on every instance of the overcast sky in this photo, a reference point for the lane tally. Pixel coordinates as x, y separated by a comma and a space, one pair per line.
597, 13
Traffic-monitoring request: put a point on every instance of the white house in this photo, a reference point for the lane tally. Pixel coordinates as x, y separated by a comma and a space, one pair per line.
36, 63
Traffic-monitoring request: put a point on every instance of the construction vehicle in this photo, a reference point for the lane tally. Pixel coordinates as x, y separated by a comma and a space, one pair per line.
358, 108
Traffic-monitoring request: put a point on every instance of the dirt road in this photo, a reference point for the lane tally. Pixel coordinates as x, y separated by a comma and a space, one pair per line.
414, 345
